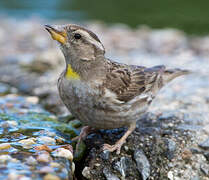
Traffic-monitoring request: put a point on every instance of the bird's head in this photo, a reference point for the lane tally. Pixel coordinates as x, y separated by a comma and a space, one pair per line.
76, 42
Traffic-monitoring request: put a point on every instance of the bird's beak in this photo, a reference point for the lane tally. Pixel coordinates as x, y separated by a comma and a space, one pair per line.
57, 33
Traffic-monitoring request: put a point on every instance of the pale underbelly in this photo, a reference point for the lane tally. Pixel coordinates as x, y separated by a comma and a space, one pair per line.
83, 104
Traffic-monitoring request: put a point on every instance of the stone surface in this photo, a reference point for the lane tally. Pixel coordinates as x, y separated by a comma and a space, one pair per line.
143, 165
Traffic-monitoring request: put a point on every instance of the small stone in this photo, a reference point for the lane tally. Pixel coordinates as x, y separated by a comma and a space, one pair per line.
25, 178
51, 177
43, 147
186, 154
171, 147
12, 123
126, 148
73, 167
205, 144
31, 161
170, 175
46, 169
62, 152
28, 142
205, 169
97, 164
121, 166
13, 176
44, 157
55, 165
195, 178
4, 146
4, 158
109, 175
32, 99
105, 155
143, 165
47, 140
206, 154
86, 173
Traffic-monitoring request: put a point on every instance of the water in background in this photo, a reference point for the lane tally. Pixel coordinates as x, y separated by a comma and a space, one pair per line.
189, 15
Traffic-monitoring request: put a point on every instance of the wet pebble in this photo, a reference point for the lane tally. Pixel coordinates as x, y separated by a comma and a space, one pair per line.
62, 152
5, 158
31, 161
46, 169
143, 165
28, 143
43, 148
44, 157
51, 177
47, 140
86, 172
4, 146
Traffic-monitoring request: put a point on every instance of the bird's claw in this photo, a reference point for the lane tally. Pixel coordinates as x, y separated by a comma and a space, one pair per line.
117, 146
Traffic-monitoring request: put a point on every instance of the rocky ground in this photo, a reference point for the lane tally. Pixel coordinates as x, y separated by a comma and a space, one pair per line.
171, 141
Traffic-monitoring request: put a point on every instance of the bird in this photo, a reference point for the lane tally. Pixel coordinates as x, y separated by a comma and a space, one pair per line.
102, 93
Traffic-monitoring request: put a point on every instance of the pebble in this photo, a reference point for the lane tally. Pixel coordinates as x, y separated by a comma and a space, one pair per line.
62, 152
46, 169
47, 140
121, 166
205, 169
86, 172
186, 154
51, 177
105, 155
5, 158
171, 147
44, 157
28, 142
4, 146
109, 175
32, 99
205, 144
43, 148
143, 165
31, 160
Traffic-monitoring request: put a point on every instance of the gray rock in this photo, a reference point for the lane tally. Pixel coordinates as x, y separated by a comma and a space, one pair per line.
205, 169
171, 147
121, 166
195, 178
105, 155
142, 162
206, 154
205, 144
109, 175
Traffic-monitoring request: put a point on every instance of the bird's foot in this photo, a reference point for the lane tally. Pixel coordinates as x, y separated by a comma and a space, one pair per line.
116, 147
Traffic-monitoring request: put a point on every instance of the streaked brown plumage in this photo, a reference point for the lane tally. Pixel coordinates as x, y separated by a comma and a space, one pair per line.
101, 93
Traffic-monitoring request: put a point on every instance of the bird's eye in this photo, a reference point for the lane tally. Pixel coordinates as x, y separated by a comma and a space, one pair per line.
77, 36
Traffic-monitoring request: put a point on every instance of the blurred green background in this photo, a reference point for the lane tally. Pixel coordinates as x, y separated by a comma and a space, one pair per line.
192, 16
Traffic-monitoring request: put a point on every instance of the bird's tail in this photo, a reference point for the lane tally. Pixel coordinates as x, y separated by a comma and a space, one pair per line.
170, 74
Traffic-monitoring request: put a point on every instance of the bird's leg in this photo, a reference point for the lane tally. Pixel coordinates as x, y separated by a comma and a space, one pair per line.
117, 146
84, 132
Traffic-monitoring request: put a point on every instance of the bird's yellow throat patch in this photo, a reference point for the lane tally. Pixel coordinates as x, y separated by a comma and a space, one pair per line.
71, 74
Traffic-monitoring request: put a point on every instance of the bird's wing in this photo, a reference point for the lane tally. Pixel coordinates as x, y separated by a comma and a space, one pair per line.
127, 82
